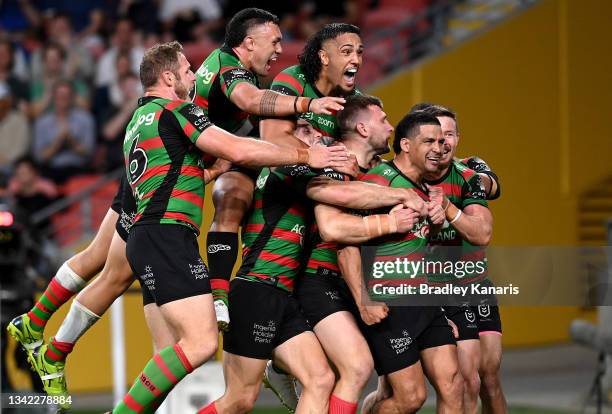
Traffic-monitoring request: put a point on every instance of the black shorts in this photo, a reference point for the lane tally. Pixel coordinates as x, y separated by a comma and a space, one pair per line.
251, 173
320, 296
125, 205
488, 319
464, 317
397, 341
262, 318
166, 259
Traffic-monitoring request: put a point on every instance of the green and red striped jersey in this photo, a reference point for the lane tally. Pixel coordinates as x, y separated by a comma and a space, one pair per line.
215, 81
463, 187
409, 246
163, 165
292, 81
274, 234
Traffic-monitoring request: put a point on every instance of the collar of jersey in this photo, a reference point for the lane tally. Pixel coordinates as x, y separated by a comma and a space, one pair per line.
396, 168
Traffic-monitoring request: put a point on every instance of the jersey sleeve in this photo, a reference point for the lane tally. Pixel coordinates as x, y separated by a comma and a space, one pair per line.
232, 76
473, 192
192, 120
287, 84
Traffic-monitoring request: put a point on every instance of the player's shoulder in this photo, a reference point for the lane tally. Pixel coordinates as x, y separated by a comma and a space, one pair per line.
382, 174
463, 170
290, 81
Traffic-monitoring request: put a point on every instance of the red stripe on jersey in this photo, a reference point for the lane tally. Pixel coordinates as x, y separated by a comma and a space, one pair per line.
287, 235
188, 129
158, 114
170, 106
152, 172
376, 179
192, 171
151, 143
285, 78
279, 259
254, 228
201, 101
450, 189
324, 245
285, 280
161, 364
316, 263
193, 198
180, 217
132, 404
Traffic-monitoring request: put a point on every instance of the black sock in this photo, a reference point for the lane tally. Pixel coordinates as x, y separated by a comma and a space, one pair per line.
222, 252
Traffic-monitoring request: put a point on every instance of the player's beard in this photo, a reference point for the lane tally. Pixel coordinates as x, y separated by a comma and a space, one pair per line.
179, 89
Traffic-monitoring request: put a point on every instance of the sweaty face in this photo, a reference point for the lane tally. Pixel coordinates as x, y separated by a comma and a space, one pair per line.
426, 148
185, 79
380, 130
343, 56
266, 44
451, 139
306, 133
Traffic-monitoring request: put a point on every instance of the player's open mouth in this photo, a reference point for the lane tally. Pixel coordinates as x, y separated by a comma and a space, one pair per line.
349, 76
434, 160
269, 62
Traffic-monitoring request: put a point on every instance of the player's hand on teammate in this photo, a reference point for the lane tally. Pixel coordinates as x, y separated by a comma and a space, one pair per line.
350, 166
373, 312
405, 218
327, 105
435, 212
219, 167
320, 156
412, 200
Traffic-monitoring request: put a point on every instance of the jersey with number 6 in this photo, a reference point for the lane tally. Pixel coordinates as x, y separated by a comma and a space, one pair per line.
163, 165
215, 81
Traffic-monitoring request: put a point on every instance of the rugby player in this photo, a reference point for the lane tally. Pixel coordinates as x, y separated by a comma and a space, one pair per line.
407, 341
266, 320
227, 88
479, 361
473, 227
163, 147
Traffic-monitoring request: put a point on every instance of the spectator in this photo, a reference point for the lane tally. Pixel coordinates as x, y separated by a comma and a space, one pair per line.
54, 58
124, 40
64, 139
14, 130
189, 20
77, 59
123, 98
18, 87
31, 191
93, 35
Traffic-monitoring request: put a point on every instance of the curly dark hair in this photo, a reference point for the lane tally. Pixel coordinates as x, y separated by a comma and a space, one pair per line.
310, 62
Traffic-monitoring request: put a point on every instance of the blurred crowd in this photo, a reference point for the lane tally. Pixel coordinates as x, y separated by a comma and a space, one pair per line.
69, 74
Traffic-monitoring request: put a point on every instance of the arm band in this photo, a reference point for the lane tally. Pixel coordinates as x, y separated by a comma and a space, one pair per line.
379, 225
302, 156
459, 212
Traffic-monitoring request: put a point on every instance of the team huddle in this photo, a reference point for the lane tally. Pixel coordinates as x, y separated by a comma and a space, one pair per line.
307, 193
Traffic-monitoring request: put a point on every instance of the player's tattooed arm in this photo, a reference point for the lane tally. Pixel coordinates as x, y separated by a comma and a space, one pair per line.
265, 102
349, 262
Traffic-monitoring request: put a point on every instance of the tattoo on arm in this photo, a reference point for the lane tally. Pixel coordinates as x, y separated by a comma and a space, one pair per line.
268, 103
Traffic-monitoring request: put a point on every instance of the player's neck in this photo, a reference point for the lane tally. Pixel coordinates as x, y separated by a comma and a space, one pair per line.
408, 168
243, 56
364, 153
437, 175
324, 85
162, 92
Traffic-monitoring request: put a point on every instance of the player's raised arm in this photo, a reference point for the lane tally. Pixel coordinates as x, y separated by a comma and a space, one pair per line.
255, 153
265, 102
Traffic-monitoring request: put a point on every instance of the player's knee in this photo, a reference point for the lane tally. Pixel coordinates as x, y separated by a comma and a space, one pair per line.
321, 382
450, 385
358, 371
489, 378
199, 349
246, 402
410, 401
472, 383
